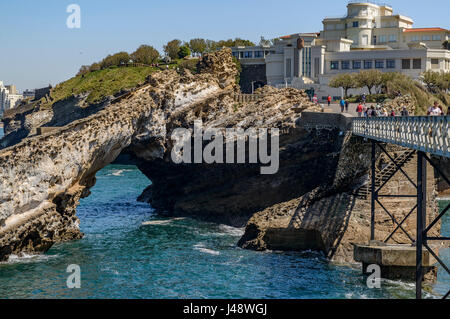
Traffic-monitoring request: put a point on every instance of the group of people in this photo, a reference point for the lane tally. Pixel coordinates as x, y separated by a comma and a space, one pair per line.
379, 111
436, 110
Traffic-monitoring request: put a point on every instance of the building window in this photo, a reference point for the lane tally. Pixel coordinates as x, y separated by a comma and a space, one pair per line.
259, 54
334, 65
345, 65
406, 64
241, 55
390, 64
356, 65
248, 54
379, 64
355, 24
383, 39
365, 39
426, 38
415, 38
367, 64
288, 68
417, 64
435, 64
437, 37
236, 54
393, 38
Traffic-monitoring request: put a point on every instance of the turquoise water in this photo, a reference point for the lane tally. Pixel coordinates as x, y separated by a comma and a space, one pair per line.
121, 258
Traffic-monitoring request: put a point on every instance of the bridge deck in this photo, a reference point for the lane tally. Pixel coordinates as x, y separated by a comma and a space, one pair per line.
430, 134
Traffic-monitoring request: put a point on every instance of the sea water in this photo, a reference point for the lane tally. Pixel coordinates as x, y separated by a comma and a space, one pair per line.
130, 252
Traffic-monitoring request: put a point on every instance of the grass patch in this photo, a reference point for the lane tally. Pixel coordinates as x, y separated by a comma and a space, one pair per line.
100, 84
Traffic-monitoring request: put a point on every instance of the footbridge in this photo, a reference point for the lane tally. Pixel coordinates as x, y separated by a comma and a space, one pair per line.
427, 137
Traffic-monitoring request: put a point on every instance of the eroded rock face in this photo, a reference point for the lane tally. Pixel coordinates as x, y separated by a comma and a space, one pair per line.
43, 177
305, 205
330, 218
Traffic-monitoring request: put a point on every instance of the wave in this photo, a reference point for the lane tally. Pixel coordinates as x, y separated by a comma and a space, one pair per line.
119, 172
234, 231
201, 247
161, 222
28, 258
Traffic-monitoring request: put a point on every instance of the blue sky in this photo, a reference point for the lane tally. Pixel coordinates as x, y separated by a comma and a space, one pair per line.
36, 47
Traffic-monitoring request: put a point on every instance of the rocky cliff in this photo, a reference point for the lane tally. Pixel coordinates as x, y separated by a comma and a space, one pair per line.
43, 177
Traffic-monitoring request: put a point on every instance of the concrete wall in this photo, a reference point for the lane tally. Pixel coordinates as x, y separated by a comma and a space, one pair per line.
252, 73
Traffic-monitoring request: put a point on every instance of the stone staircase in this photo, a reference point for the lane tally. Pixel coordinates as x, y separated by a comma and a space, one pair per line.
383, 175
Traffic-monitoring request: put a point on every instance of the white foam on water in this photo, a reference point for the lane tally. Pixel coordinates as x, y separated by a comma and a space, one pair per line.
161, 222
201, 247
156, 223
233, 231
119, 172
28, 258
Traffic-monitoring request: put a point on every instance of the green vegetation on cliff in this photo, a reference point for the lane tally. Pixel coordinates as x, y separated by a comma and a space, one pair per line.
100, 84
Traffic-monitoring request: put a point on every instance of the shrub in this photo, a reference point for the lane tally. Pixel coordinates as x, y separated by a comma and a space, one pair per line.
191, 65
145, 54
184, 52
115, 60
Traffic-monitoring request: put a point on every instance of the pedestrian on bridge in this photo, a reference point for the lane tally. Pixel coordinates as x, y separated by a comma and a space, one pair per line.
329, 99
342, 103
404, 112
359, 110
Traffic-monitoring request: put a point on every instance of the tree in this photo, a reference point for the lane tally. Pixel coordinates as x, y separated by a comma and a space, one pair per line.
145, 54
346, 81
115, 60
197, 46
275, 41
83, 70
241, 42
211, 46
234, 43
95, 67
184, 51
446, 45
172, 48
435, 81
369, 79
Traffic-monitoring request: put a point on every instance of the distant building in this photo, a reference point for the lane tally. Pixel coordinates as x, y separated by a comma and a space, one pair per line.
9, 97
368, 37
28, 94
40, 93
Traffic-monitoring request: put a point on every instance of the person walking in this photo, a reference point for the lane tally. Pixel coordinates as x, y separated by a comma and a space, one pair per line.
359, 110
347, 105
342, 102
315, 99
404, 112
392, 112
329, 100
435, 110
385, 112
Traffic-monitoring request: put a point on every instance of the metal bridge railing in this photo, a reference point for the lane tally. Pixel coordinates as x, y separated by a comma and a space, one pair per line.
429, 134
